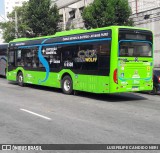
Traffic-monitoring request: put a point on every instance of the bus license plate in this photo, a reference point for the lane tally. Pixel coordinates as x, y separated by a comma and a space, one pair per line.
134, 88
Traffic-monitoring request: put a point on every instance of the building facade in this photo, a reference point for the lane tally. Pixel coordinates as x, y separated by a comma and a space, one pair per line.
71, 13
138, 6
11, 4
146, 14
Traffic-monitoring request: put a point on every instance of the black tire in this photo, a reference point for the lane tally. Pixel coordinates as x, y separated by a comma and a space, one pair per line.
67, 85
20, 79
153, 91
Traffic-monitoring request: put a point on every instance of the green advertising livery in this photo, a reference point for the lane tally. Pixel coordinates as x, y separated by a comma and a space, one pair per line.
103, 60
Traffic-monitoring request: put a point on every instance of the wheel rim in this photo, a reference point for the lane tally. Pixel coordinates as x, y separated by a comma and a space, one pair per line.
67, 85
20, 79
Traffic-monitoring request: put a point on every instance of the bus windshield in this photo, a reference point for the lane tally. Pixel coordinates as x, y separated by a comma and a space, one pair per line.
135, 49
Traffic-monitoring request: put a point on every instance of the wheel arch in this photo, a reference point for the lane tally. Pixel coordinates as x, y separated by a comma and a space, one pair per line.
19, 72
20, 69
65, 74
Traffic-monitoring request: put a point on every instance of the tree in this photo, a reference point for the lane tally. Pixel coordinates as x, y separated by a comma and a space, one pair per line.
8, 30
8, 27
103, 13
41, 17
35, 18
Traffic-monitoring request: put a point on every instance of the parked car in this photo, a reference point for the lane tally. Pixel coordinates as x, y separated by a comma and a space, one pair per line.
156, 82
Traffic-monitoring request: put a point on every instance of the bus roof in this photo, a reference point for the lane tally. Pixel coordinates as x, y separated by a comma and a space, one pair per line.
75, 31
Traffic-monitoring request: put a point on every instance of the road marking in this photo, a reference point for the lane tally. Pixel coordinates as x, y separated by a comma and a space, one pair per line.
47, 118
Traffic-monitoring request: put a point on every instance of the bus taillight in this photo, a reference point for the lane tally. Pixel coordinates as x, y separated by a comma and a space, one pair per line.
159, 79
115, 76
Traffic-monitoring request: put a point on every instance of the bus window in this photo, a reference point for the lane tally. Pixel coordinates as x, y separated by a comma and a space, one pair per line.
88, 52
3, 52
105, 48
86, 56
52, 55
135, 49
27, 57
11, 58
104, 54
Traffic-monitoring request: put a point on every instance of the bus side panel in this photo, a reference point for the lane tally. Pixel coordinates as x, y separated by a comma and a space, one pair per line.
12, 75
53, 79
87, 83
38, 78
91, 83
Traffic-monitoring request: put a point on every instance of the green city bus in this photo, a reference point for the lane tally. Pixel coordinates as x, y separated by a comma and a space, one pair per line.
104, 60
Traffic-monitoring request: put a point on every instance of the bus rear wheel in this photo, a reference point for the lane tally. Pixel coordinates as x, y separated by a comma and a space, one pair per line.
20, 79
67, 85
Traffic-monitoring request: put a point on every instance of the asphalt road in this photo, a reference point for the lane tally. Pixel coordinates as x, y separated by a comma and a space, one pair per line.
41, 115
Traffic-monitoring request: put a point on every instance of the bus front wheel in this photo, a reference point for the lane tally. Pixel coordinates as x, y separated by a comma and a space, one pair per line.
20, 79
67, 85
